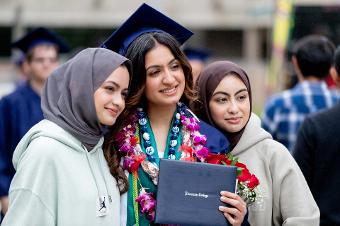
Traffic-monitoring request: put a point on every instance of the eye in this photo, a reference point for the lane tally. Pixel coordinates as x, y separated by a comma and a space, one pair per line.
125, 94
242, 97
53, 60
154, 72
110, 88
175, 66
221, 100
38, 60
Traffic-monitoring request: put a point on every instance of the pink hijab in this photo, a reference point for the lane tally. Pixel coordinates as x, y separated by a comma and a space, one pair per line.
208, 80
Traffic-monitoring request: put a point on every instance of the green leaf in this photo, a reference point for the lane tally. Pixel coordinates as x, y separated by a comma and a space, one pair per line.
239, 171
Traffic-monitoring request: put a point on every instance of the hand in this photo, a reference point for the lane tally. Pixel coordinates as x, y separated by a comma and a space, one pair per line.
4, 204
237, 210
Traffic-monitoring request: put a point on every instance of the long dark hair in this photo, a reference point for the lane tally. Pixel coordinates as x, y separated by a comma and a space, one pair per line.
136, 53
111, 155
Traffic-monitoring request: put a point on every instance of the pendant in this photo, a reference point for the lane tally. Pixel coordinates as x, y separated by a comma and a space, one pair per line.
102, 206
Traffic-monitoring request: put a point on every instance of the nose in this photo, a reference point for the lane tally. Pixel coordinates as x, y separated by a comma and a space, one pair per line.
233, 107
119, 101
168, 77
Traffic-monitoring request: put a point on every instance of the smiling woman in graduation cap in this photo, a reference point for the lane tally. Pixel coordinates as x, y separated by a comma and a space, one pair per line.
158, 123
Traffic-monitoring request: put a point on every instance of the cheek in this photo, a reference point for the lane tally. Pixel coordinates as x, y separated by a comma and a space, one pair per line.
100, 98
246, 109
216, 112
151, 86
180, 76
122, 106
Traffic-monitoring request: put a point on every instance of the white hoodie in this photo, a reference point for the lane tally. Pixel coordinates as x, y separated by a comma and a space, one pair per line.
287, 199
58, 182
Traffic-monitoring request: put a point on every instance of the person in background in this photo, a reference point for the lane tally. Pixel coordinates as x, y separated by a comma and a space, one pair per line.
317, 152
225, 101
20, 110
61, 176
197, 58
158, 123
284, 112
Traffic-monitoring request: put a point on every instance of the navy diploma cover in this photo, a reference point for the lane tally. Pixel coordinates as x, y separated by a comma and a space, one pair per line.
189, 192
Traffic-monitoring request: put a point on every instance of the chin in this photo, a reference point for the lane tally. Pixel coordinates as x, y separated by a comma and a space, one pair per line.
109, 122
171, 102
235, 130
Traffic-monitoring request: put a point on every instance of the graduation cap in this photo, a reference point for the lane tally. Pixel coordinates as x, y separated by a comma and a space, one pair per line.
197, 53
39, 36
144, 19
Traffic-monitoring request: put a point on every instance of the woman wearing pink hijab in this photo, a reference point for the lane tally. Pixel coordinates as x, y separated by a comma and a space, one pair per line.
226, 102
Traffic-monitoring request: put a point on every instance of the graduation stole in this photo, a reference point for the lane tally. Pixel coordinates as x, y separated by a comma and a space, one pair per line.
136, 143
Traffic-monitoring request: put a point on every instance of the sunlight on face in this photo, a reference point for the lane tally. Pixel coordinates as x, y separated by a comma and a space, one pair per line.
230, 105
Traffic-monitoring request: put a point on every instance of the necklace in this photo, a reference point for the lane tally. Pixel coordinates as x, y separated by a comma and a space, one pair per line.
135, 144
129, 142
147, 143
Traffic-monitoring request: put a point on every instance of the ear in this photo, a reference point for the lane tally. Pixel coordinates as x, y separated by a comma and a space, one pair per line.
26, 66
335, 76
297, 69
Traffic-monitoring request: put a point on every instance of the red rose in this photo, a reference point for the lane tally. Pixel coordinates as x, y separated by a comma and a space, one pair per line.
245, 175
217, 159
241, 165
253, 182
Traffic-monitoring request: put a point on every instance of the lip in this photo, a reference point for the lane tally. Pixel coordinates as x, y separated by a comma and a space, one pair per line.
234, 120
169, 91
112, 111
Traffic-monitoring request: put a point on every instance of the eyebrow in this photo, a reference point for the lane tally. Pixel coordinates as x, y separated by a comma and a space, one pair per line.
152, 66
113, 83
227, 94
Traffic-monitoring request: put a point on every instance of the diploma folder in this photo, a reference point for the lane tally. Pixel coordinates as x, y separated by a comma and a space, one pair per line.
189, 192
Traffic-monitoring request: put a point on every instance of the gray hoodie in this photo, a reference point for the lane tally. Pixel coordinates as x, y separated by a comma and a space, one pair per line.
286, 198
54, 171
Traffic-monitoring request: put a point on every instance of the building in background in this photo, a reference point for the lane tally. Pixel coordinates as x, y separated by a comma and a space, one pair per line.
237, 30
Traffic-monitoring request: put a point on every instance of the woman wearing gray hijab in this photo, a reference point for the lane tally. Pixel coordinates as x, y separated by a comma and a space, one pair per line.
62, 177
226, 102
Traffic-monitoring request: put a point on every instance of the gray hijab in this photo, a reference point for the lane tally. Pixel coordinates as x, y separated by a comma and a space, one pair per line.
67, 98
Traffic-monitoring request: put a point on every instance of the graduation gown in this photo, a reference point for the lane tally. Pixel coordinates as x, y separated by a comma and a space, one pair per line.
19, 111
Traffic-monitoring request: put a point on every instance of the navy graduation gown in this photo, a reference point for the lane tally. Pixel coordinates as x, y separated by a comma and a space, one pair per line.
217, 143
19, 111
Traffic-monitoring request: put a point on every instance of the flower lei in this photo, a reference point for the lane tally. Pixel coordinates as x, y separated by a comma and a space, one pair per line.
128, 143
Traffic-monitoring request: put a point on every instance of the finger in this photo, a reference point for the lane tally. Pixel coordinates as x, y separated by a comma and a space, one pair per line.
239, 204
232, 195
229, 194
230, 219
233, 217
237, 214
233, 211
